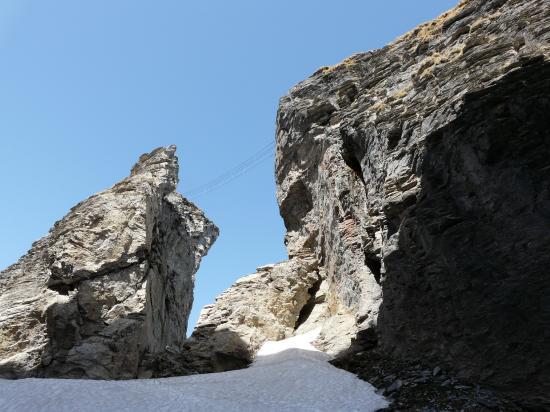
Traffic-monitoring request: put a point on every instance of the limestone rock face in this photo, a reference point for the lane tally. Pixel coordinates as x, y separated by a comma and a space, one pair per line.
418, 177
111, 281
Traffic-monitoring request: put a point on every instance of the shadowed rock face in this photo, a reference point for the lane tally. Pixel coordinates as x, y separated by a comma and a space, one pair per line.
113, 280
417, 175
467, 282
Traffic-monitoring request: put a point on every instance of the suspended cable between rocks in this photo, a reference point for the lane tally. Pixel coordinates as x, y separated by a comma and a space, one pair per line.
235, 172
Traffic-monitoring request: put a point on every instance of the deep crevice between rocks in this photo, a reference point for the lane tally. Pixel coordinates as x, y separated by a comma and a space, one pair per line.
353, 163
351, 155
374, 263
394, 136
310, 304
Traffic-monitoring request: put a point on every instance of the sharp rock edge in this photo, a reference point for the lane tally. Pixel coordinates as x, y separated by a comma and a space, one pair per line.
110, 283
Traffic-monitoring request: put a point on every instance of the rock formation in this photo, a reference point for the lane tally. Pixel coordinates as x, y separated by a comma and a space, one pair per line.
416, 178
113, 280
266, 305
414, 183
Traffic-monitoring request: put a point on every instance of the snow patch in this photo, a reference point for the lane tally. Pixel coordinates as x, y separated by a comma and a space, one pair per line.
291, 349
288, 375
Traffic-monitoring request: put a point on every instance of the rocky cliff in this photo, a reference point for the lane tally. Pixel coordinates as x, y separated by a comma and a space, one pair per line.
112, 280
416, 178
418, 175
414, 183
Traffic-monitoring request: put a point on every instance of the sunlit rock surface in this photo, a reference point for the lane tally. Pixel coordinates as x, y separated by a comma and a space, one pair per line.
266, 305
111, 281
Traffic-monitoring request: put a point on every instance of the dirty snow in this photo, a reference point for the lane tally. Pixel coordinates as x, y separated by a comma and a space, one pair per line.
288, 375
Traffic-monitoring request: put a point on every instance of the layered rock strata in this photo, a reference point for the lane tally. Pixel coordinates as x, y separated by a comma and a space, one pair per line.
112, 280
417, 179
418, 175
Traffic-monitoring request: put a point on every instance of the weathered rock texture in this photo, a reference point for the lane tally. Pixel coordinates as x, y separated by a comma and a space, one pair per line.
113, 280
418, 177
266, 305
277, 301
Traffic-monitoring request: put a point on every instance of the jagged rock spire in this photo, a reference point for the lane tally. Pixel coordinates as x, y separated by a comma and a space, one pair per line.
111, 281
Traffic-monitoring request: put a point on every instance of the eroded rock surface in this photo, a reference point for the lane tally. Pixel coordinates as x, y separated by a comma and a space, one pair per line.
266, 305
418, 176
113, 280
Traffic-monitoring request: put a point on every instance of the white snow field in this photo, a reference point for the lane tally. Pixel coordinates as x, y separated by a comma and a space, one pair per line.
288, 375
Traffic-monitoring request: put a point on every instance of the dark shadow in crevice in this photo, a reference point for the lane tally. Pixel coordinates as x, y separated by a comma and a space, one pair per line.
394, 136
296, 205
310, 304
374, 263
351, 156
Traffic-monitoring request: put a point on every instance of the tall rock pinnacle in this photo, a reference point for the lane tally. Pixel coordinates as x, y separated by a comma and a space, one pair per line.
112, 280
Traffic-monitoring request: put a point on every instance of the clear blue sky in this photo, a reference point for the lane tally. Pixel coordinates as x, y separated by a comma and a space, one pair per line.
88, 86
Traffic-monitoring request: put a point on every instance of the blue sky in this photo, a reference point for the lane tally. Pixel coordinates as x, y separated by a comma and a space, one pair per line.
86, 87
